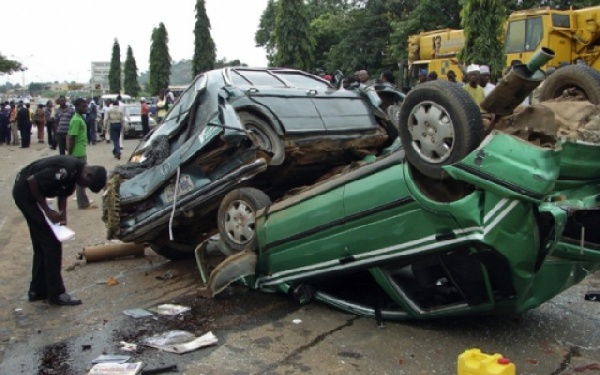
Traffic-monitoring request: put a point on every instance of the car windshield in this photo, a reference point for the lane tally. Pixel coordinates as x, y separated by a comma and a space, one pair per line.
134, 110
180, 107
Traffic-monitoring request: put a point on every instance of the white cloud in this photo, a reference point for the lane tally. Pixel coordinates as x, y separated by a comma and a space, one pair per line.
58, 40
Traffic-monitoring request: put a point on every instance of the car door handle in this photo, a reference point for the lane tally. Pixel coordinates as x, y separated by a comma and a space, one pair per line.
252, 90
311, 92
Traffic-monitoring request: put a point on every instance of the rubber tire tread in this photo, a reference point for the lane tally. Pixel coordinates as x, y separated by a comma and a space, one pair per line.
277, 144
464, 114
255, 198
580, 76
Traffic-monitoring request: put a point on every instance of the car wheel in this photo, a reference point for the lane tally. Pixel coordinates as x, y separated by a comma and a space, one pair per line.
439, 125
172, 250
237, 217
581, 77
393, 112
264, 135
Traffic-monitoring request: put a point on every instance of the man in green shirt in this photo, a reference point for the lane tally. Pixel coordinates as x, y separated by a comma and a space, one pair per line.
77, 146
472, 86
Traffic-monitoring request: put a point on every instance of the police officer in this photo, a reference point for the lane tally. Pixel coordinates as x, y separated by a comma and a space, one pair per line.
55, 176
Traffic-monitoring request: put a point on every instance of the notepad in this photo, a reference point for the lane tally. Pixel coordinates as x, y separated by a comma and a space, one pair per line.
61, 232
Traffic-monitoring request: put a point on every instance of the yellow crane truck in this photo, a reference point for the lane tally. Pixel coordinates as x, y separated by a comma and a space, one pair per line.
574, 36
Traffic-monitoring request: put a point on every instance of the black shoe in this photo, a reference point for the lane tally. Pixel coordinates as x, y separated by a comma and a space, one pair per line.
64, 299
34, 296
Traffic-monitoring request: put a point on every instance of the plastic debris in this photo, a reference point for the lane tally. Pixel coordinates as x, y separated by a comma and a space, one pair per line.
116, 368
137, 313
297, 321
170, 309
111, 358
180, 342
128, 347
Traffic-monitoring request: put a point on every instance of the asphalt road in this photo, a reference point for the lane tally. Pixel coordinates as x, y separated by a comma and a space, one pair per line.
258, 333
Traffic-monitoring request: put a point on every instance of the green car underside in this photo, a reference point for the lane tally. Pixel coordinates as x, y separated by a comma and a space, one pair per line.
511, 243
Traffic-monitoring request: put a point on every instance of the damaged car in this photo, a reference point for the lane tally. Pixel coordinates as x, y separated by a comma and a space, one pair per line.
471, 214
271, 130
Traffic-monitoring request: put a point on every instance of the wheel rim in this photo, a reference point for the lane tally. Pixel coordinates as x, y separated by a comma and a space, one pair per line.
240, 222
432, 132
259, 136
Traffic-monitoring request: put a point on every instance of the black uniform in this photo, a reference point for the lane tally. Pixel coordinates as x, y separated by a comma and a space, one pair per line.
56, 176
24, 125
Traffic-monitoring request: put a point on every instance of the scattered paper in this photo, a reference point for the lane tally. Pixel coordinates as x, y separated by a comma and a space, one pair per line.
297, 321
169, 309
205, 340
116, 369
111, 358
61, 232
128, 347
138, 313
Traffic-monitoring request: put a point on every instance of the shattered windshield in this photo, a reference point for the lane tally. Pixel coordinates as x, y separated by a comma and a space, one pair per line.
180, 108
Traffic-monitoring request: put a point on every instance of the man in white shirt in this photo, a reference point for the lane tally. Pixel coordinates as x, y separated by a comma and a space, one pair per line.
484, 79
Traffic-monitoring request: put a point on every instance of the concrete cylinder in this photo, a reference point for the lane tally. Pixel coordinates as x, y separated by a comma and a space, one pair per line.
111, 251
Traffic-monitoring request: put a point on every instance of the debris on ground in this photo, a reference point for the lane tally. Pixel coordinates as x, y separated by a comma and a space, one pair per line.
170, 274
593, 296
111, 358
180, 342
170, 309
111, 251
137, 313
160, 370
116, 368
128, 347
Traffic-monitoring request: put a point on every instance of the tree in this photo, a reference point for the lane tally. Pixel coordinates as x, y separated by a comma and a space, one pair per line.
130, 82
204, 46
160, 60
8, 66
483, 22
292, 36
114, 73
265, 35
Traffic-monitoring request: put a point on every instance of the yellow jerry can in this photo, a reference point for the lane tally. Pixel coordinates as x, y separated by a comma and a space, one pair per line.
474, 362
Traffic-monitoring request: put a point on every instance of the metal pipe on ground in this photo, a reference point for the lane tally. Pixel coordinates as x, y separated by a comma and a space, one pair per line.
98, 253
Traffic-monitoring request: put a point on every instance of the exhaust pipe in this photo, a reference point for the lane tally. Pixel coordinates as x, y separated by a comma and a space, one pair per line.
99, 253
515, 86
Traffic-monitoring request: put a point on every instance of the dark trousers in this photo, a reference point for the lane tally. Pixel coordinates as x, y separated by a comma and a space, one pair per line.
145, 124
50, 132
61, 141
4, 134
91, 129
46, 279
25, 130
115, 137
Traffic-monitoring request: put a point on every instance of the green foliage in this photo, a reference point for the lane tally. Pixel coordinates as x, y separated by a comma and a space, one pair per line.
204, 46
293, 41
8, 66
265, 35
130, 82
160, 60
483, 22
114, 73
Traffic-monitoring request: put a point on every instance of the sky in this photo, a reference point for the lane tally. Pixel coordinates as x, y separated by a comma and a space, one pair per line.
57, 40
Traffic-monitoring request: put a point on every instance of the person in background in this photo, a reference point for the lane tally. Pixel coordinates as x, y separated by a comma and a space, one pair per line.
115, 121
77, 142
125, 111
4, 124
452, 77
363, 77
55, 176
90, 120
387, 78
39, 119
161, 107
24, 124
145, 116
50, 124
432, 76
12, 120
422, 77
64, 113
485, 80
472, 86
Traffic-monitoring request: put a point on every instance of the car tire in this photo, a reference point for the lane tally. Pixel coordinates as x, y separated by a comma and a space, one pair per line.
393, 112
265, 135
439, 125
172, 250
580, 77
236, 218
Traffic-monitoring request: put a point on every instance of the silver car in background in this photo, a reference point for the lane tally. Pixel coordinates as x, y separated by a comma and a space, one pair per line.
133, 128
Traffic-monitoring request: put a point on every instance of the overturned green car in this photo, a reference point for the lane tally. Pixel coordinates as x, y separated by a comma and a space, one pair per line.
457, 219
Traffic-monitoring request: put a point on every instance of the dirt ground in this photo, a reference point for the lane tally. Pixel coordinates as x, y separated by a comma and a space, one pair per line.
258, 333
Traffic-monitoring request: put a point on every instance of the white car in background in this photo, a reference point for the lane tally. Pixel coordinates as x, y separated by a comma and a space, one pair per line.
133, 128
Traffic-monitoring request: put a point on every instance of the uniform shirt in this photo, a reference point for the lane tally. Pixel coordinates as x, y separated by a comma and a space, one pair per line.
476, 93
78, 129
56, 176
